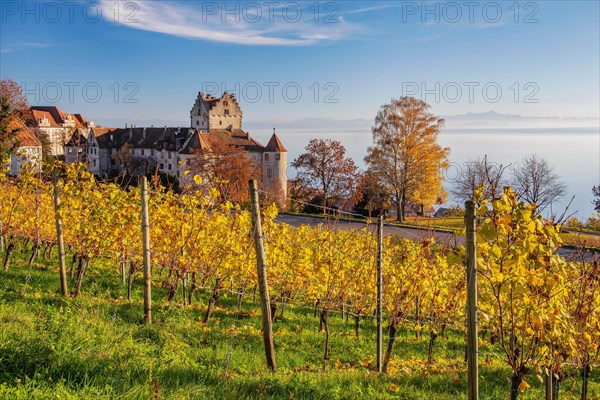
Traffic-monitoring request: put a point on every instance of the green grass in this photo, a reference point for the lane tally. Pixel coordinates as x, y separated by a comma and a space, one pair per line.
96, 347
586, 239
449, 223
579, 239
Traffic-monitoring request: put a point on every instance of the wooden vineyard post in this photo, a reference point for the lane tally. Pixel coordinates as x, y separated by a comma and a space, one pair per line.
549, 383
1, 238
472, 345
267, 324
379, 292
59, 236
146, 251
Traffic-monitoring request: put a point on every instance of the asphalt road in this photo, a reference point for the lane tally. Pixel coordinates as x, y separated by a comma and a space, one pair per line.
408, 233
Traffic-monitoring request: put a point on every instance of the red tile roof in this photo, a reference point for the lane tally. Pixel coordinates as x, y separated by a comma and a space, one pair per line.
55, 117
24, 136
275, 145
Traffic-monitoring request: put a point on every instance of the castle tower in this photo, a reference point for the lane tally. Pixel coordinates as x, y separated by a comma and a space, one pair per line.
274, 166
211, 113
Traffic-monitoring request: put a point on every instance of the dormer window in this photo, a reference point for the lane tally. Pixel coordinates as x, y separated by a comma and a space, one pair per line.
225, 103
226, 111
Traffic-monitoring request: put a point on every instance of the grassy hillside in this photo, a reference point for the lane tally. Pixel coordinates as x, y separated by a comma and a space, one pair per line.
96, 347
587, 239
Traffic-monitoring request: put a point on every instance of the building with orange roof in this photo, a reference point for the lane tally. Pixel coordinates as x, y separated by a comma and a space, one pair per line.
28, 151
57, 125
171, 149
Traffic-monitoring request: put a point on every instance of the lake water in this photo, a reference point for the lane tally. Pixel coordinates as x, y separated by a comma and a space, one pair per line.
574, 152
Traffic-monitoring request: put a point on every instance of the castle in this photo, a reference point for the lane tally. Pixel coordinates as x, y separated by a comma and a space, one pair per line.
171, 149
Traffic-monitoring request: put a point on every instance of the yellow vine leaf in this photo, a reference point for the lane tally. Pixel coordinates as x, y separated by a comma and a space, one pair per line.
523, 386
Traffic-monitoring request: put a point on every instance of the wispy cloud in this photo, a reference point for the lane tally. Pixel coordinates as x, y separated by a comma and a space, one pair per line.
374, 8
21, 45
271, 26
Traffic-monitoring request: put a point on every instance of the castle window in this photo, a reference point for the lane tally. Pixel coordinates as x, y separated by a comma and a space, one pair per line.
277, 157
266, 157
225, 103
142, 151
269, 172
169, 167
226, 111
220, 122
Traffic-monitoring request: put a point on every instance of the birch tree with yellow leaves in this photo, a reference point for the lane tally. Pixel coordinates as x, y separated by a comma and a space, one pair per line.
405, 155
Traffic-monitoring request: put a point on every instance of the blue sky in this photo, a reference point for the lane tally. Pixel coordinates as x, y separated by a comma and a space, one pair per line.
543, 56
482, 64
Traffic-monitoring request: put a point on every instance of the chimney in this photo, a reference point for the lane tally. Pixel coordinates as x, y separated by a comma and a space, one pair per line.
144, 134
125, 125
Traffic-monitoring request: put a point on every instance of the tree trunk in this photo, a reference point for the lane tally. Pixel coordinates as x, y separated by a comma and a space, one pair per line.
240, 297
192, 289
515, 381
284, 302
83, 262
273, 305
585, 376
399, 211
402, 206
443, 330
417, 318
34, 250
211, 304
356, 324
392, 329
73, 262
184, 289
173, 288
123, 273
8, 256
432, 337
130, 279
325, 324
316, 308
